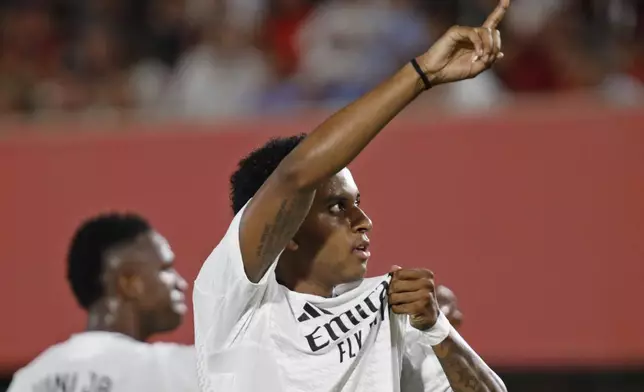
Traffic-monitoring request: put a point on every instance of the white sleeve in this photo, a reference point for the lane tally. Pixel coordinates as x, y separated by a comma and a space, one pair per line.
17, 385
422, 372
223, 297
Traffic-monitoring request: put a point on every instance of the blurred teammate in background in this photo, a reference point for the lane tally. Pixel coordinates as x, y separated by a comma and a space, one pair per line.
281, 304
121, 272
448, 304
431, 369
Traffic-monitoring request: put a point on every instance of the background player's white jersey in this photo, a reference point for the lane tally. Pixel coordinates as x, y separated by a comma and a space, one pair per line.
109, 362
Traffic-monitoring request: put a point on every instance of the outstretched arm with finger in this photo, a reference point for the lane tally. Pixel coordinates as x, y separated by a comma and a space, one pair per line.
463, 52
279, 207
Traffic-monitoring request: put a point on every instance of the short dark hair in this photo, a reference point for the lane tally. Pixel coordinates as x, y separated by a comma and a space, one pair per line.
253, 170
87, 250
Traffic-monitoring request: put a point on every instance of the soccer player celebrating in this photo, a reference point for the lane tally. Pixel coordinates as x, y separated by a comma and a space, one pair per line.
121, 272
282, 305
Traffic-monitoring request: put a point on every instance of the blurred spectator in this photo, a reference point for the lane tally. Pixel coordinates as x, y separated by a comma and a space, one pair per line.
481, 93
531, 63
213, 58
168, 31
338, 45
279, 34
30, 52
623, 79
348, 46
224, 75
95, 81
169, 35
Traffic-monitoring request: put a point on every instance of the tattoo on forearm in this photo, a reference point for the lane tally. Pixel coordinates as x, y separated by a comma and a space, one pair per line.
268, 235
465, 371
284, 225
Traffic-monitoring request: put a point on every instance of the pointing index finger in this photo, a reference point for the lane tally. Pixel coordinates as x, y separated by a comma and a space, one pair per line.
497, 15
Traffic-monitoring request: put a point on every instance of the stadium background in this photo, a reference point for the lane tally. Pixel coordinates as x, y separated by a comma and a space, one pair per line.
523, 190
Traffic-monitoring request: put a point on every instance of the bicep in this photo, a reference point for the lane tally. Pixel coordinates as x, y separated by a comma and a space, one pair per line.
230, 287
269, 222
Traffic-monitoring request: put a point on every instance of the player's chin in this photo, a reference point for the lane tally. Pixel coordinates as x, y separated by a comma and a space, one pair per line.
173, 322
175, 316
356, 269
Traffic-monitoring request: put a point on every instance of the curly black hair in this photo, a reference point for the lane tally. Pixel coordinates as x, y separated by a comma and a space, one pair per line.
253, 170
87, 250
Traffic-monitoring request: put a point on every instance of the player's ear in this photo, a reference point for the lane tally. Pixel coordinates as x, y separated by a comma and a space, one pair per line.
129, 284
122, 277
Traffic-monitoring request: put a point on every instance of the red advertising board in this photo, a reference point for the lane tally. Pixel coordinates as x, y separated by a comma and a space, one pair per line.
536, 221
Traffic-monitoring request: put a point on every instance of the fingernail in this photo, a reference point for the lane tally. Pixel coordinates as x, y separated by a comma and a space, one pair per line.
475, 58
501, 55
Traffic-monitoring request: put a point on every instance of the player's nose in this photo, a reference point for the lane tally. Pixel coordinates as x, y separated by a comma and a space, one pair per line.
363, 223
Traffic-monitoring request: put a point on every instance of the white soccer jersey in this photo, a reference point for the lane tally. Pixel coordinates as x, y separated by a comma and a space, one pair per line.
109, 362
264, 337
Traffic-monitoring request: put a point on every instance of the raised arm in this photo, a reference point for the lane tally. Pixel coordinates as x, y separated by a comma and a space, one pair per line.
412, 292
276, 212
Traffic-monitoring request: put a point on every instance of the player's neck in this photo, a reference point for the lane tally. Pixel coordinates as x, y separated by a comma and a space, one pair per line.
290, 274
313, 288
113, 316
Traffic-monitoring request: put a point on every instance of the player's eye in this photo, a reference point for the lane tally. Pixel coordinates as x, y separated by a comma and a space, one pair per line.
336, 208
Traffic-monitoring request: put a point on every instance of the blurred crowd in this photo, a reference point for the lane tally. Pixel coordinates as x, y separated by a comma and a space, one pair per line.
215, 58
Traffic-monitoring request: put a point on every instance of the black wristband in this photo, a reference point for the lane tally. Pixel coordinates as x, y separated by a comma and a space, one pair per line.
422, 75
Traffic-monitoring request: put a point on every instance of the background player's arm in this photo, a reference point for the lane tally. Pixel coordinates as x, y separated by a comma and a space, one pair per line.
276, 212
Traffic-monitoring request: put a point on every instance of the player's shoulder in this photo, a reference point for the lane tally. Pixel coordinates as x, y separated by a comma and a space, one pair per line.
174, 352
180, 359
101, 350
227, 253
97, 344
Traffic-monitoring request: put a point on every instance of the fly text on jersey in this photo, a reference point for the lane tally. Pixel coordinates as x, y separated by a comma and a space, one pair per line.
371, 311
